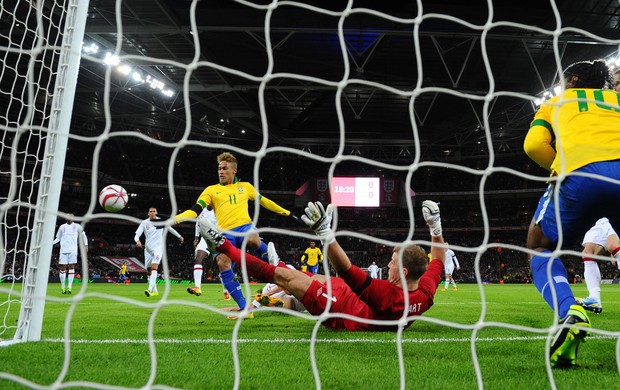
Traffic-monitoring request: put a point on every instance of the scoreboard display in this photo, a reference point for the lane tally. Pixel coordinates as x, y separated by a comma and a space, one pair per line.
357, 191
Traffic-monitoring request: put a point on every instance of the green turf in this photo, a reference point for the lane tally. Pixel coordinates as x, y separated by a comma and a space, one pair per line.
193, 346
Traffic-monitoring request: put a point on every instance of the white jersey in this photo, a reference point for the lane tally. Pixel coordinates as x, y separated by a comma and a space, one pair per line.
210, 216
68, 235
297, 306
153, 234
451, 262
599, 232
373, 269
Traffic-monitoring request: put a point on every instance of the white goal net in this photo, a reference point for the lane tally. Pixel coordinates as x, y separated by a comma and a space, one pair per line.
40, 55
165, 86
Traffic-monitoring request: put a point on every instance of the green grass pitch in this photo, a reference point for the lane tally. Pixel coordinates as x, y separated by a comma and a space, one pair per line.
193, 344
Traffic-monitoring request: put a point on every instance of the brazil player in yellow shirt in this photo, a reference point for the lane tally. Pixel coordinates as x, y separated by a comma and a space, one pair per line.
230, 199
122, 274
573, 135
311, 258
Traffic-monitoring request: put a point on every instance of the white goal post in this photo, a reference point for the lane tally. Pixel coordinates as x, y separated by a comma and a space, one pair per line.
53, 37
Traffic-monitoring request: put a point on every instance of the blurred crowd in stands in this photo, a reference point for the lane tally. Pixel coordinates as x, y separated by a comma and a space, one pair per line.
496, 263
505, 211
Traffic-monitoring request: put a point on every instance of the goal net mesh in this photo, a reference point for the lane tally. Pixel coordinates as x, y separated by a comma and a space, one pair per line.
33, 70
30, 46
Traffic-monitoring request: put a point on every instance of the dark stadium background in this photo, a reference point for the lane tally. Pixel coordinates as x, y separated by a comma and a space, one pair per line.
379, 138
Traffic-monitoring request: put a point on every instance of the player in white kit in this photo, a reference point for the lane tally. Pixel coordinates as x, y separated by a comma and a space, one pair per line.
201, 252
272, 294
373, 269
451, 262
153, 247
600, 237
69, 235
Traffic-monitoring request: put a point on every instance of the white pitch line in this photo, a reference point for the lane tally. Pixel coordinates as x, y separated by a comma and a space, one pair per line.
305, 341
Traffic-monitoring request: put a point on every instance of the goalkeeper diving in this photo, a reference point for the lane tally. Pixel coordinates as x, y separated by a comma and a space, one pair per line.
354, 293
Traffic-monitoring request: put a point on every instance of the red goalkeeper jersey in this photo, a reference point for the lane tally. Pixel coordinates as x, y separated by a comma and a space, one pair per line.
387, 300
380, 300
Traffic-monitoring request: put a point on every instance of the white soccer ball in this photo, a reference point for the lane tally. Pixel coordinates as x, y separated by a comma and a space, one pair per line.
113, 198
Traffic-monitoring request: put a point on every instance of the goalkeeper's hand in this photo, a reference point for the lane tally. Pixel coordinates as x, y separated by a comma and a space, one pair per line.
319, 219
430, 211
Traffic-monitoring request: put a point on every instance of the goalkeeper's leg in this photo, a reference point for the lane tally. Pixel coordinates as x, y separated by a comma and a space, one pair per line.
290, 279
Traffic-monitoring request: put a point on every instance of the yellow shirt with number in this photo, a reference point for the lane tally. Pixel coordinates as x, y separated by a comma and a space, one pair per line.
230, 203
313, 255
587, 124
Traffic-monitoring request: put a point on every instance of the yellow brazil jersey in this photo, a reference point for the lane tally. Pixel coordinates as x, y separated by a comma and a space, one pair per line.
313, 255
230, 203
123, 269
588, 130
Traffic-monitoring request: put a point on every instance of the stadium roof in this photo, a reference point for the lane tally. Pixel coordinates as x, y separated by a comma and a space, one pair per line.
450, 78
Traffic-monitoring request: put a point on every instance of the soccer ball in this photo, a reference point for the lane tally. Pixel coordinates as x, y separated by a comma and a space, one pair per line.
113, 198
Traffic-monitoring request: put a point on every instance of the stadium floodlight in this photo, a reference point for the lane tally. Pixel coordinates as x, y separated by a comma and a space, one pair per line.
124, 69
111, 59
155, 84
612, 60
90, 49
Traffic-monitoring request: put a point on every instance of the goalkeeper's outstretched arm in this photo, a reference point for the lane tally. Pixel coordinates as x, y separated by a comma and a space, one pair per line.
430, 212
319, 219
338, 258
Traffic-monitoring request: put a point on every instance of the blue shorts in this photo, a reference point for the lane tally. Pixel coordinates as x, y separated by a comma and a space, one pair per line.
582, 201
313, 268
237, 240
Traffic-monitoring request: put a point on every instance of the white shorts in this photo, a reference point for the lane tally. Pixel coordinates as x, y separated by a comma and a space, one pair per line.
297, 306
67, 258
448, 269
206, 247
202, 246
151, 257
599, 232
